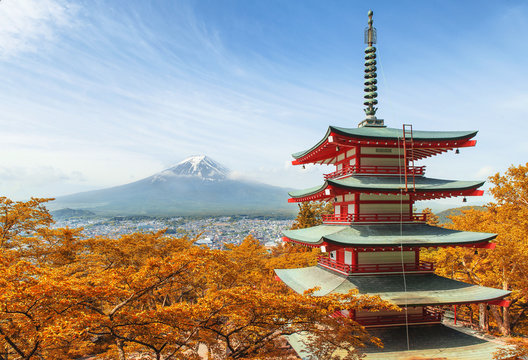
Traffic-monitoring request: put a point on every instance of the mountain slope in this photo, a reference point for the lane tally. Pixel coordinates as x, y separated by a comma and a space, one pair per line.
443, 215
196, 186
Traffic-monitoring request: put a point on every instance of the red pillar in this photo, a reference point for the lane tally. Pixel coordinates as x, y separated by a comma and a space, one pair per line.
340, 255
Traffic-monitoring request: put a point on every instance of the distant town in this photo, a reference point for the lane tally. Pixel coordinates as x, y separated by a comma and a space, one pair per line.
211, 231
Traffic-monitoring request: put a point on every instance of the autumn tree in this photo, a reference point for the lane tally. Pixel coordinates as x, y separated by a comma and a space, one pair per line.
167, 303
310, 214
143, 283
506, 266
148, 294
250, 315
19, 219
40, 289
515, 349
432, 218
289, 256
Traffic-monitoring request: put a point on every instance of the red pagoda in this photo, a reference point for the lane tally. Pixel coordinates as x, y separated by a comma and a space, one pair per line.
373, 238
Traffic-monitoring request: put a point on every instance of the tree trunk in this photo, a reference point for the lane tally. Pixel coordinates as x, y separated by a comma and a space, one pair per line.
121, 349
483, 317
506, 321
499, 319
501, 314
505, 310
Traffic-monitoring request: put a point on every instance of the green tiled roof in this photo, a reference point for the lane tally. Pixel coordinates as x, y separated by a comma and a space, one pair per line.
386, 235
306, 192
389, 183
390, 133
435, 341
422, 289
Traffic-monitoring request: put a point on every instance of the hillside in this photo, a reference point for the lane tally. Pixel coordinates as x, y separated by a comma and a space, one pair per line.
443, 215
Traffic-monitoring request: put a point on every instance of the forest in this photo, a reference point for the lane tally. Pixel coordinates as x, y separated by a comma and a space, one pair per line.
155, 296
64, 295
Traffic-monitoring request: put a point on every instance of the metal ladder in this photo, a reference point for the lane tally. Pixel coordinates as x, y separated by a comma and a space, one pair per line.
408, 161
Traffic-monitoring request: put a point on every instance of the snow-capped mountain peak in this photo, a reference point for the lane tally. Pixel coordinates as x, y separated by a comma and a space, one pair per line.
199, 166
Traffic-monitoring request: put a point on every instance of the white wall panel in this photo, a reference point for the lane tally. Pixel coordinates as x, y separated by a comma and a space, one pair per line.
385, 257
382, 208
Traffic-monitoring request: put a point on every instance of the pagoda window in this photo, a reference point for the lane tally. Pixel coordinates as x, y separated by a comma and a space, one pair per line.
386, 257
339, 166
349, 255
333, 255
372, 150
383, 209
384, 197
380, 161
349, 197
337, 209
351, 152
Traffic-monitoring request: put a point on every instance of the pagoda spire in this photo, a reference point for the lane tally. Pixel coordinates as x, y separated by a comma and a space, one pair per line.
370, 76
370, 68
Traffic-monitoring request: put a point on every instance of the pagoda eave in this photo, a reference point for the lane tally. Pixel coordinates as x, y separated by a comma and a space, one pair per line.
322, 196
423, 188
339, 140
313, 245
431, 341
484, 244
416, 290
386, 237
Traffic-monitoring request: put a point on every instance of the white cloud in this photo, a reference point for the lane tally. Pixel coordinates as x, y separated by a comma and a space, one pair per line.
38, 180
26, 23
485, 172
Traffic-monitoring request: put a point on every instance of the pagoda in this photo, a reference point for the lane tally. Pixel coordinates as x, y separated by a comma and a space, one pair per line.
372, 240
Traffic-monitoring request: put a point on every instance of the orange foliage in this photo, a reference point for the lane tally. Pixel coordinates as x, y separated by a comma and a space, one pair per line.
516, 349
310, 213
63, 296
506, 266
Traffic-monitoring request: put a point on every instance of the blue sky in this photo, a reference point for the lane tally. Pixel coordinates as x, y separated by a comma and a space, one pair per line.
101, 93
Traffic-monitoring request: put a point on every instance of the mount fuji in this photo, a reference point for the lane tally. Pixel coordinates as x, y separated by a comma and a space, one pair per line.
199, 166
196, 186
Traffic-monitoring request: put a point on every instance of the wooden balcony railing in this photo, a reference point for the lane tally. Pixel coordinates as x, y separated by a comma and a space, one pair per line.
374, 268
429, 316
387, 217
376, 170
